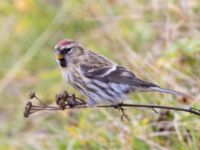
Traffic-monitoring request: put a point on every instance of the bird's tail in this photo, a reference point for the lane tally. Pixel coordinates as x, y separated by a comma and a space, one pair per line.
163, 90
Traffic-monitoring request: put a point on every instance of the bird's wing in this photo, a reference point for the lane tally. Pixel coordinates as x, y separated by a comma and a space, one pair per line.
114, 74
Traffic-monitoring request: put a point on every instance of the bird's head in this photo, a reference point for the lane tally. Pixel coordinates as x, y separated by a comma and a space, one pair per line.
67, 51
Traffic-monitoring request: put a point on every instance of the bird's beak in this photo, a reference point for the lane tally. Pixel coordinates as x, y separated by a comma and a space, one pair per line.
59, 56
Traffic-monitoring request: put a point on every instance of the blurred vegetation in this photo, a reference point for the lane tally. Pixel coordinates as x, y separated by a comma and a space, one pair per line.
159, 40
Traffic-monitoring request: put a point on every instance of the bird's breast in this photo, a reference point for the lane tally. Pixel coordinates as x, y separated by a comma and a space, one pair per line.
70, 75
65, 73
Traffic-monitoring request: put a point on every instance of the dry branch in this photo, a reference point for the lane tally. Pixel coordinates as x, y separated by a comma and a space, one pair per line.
67, 101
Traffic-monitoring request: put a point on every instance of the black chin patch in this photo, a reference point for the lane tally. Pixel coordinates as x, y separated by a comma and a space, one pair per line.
63, 63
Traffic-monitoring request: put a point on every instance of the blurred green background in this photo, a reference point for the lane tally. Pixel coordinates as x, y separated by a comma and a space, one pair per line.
157, 39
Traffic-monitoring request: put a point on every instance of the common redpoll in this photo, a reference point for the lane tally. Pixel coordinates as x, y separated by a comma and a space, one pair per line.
95, 76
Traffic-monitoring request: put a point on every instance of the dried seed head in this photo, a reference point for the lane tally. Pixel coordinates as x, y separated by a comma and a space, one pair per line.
28, 106
73, 97
27, 109
58, 98
26, 114
62, 105
32, 95
65, 95
72, 103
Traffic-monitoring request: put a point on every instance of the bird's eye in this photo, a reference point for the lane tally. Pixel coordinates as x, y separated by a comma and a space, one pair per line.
65, 50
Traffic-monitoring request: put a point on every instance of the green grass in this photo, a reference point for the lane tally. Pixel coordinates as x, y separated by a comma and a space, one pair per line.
159, 41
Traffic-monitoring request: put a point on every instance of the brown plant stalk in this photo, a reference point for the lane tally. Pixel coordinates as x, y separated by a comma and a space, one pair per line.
67, 101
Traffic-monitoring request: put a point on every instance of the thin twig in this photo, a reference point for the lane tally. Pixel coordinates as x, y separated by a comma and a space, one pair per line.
192, 110
66, 101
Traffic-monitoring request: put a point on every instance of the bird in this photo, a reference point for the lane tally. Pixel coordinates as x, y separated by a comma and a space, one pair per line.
97, 77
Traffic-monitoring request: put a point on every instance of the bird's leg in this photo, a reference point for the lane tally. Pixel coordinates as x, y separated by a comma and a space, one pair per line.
120, 108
